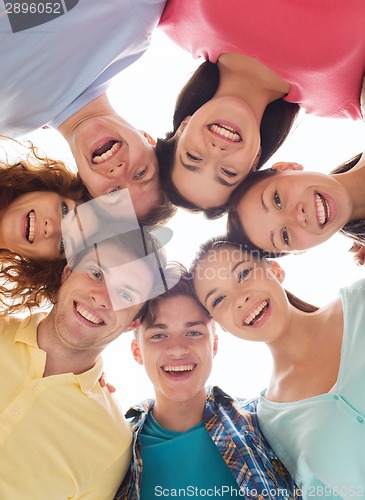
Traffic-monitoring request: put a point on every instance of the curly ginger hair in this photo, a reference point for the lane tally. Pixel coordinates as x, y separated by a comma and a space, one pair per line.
25, 283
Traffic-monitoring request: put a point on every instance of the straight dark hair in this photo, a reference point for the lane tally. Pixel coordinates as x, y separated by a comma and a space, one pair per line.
276, 123
236, 233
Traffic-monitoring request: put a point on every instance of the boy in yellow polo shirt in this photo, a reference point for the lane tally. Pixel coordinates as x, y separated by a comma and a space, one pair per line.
62, 436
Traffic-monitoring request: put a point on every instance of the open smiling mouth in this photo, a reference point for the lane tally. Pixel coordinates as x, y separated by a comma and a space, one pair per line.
106, 151
90, 317
225, 132
178, 370
322, 209
257, 314
30, 226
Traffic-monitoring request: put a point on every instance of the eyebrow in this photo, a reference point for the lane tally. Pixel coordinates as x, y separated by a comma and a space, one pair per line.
265, 207
189, 324
163, 326
272, 240
214, 290
195, 169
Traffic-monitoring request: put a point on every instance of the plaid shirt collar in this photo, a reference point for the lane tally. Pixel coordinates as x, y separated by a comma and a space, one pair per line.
233, 427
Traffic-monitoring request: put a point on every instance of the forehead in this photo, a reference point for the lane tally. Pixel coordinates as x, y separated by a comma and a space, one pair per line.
107, 255
220, 259
178, 309
184, 304
121, 268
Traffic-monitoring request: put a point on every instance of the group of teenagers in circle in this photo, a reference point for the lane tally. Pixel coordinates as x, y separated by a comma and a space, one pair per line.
264, 62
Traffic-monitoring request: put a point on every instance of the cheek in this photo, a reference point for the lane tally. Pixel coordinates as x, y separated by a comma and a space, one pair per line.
223, 318
94, 187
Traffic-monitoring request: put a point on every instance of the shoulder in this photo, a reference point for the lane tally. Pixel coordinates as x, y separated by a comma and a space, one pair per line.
353, 296
21, 328
246, 408
137, 414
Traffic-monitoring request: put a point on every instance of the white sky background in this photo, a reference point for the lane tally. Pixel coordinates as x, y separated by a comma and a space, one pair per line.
145, 94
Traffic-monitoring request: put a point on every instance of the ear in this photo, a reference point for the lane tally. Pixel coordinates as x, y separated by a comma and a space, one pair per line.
277, 270
150, 139
182, 125
135, 324
65, 273
136, 351
284, 166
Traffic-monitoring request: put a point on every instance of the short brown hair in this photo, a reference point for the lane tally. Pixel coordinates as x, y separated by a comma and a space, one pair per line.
184, 287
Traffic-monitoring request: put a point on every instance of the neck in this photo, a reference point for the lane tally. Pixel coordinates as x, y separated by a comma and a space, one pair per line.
179, 416
354, 182
247, 78
97, 107
306, 360
294, 344
60, 358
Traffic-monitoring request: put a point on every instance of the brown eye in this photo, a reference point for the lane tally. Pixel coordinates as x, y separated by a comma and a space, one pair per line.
141, 174
277, 200
285, 236
193, 157
228, 173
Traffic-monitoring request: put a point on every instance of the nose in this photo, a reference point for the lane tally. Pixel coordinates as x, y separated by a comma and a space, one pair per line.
178, 348
216, 147
241, 300
100, 297
116, 170
300, 215
51, 228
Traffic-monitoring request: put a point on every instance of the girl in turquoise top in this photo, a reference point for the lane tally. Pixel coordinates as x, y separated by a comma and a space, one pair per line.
313, 411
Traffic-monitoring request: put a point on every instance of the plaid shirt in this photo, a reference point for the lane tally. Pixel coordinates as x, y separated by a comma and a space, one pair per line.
233, 427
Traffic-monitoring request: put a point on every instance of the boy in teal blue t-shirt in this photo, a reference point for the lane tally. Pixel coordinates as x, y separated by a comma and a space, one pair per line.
192, 440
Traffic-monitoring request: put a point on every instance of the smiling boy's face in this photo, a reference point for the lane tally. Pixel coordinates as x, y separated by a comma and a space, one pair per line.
111, 154
95, 304
177, 349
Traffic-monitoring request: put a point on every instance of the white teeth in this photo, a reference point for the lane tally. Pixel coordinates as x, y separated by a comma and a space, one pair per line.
180, 368
31, 226
88, 315
323, 209
226, 132
100, 159
256, 312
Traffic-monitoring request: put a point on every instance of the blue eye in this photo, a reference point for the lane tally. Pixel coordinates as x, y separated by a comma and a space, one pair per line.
157, 336
141, 174
64, 209
195, 334
125, 296
114, 191
96, 274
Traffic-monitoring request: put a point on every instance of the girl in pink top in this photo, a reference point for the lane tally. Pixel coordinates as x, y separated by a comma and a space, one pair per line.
266, 60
